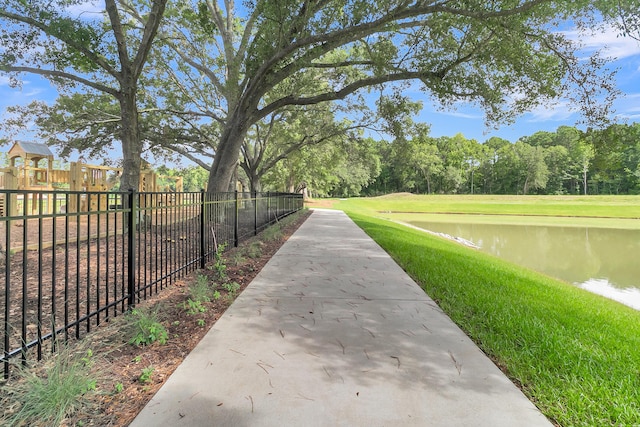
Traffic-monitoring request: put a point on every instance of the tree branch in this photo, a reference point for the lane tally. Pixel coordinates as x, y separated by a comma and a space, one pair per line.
61, 74
150, 31
344, 92
94, 57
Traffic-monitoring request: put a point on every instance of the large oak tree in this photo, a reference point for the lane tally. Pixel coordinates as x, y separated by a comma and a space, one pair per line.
505, 56
51, 39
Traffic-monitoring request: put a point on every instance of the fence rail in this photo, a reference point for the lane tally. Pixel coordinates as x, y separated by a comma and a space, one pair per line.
71, 260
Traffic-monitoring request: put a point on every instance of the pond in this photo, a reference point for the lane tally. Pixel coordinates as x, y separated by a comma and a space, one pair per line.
602, 260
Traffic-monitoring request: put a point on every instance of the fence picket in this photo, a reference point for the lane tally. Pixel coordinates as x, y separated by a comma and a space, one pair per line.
115, 255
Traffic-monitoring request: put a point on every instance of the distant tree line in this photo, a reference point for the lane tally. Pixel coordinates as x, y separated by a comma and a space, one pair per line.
567, 161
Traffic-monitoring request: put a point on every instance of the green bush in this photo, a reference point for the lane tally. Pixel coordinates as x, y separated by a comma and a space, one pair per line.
146, 328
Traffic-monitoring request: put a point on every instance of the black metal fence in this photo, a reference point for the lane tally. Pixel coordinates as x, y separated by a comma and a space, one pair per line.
71, 260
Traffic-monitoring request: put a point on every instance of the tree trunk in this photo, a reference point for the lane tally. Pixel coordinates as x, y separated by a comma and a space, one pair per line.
256, 185
227, 154
130, 137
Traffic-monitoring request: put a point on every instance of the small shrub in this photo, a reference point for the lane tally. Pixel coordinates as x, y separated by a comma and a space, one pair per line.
199, 290
146, 374
147, 329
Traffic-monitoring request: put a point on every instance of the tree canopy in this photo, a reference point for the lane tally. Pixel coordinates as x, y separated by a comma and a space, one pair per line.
504, 56
220, 68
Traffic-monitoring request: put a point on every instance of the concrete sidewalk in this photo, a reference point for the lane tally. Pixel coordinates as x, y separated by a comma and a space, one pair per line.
333, 333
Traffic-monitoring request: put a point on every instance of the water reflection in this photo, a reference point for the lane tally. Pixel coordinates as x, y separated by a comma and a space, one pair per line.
601, 260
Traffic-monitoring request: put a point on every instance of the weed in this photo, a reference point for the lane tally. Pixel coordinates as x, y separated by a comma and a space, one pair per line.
216, 295
146, 374
146, 328
137, 359
219, 265
118, 388
50, 394
232, 291
194, 307
201, 322
231, 288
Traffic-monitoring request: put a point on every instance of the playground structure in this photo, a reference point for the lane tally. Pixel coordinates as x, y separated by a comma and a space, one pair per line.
31, 169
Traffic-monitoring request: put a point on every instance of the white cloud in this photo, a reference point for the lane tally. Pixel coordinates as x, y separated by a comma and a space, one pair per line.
557, 112
606, 40
91, 9
627, 107
33, 92
461, 115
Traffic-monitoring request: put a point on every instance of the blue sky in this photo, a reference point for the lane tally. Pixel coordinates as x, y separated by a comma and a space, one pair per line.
624, 54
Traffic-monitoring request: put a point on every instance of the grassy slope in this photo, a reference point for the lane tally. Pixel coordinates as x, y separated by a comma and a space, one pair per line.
575, 354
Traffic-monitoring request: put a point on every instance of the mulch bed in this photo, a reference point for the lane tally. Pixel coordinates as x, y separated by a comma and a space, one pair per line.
119, 364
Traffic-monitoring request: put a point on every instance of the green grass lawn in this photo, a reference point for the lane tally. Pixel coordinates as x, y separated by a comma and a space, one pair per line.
576, 355
556, 206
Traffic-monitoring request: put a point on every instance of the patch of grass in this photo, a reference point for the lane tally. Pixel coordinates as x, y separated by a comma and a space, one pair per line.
146, 328
273, 232
237, 259
51, 393
574, 353
254, 250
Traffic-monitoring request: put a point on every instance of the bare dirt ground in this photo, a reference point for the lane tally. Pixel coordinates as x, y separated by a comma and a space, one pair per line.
121, 393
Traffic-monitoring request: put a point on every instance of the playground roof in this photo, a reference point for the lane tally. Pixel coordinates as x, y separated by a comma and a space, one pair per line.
33, 148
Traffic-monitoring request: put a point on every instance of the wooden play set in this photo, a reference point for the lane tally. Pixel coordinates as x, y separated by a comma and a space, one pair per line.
31, 168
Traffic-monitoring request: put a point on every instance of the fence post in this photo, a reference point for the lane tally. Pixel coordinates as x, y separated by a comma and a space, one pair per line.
235, 221
268, 208
131, 249
7, 283
202, 228
255, 213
